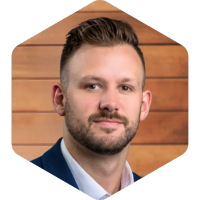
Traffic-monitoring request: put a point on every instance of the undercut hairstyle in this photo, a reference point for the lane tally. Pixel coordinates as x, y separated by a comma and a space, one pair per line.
98, 32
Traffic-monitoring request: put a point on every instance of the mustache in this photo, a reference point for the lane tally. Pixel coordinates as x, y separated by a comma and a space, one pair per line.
107, 115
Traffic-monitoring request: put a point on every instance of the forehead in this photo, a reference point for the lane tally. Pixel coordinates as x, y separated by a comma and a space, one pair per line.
116, 62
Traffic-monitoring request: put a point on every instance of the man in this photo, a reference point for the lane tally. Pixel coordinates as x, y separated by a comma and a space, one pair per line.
101, 97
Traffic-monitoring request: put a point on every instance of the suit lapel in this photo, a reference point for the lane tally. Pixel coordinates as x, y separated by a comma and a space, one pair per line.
54, 163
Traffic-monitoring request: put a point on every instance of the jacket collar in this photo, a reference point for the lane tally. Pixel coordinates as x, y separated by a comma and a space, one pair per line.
54, 163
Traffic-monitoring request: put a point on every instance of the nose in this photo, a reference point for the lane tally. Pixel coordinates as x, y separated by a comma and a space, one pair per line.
109, 101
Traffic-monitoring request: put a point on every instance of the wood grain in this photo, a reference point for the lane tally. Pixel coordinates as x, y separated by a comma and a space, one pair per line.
143, 159
56, 34
99, 6
35, 95
165, 61
45, 128
44, 61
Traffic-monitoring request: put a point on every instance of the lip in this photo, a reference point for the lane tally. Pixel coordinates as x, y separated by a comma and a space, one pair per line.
109, 123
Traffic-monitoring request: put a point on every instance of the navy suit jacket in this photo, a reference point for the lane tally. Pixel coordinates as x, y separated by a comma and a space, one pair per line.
53, 162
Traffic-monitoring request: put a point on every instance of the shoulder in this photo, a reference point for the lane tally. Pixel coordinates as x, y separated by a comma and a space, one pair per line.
136, 177
38, 162
50, 157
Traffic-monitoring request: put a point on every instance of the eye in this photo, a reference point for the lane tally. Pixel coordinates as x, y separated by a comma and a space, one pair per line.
96, 86
125, 88
92, 86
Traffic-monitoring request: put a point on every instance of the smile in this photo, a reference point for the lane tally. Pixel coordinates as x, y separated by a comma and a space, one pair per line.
108, 123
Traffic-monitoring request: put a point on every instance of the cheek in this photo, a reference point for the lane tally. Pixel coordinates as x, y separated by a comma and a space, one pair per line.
83, 105
91, 105
131, 107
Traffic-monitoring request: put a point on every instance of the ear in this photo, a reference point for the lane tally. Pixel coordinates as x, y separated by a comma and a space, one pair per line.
146, 102
57, 95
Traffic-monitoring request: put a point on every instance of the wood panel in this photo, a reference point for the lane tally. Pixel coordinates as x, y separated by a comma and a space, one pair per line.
35, 95
168, 94
165, 61
34, 61
45, 128
56, 34
44, 61
99, 6
143, 159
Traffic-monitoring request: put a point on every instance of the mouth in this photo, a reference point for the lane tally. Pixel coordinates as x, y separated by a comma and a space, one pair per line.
110, 123
108, 120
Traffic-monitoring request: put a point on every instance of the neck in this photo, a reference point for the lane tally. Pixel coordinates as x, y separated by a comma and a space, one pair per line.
106, 170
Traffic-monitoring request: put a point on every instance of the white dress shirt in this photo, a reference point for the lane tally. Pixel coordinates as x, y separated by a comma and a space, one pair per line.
86, 183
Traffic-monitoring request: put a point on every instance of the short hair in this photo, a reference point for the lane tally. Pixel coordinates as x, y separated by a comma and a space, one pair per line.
99, 32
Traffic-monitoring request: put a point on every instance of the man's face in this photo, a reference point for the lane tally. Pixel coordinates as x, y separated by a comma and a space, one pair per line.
104, 97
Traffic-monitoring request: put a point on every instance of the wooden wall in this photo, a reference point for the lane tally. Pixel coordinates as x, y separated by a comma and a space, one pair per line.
161, 137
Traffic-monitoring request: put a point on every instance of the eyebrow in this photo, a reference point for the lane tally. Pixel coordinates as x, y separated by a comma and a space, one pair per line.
124, 80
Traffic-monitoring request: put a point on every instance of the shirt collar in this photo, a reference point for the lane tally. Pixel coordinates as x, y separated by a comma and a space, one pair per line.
86, 183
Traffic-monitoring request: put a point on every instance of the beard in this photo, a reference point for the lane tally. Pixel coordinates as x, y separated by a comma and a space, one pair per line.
108, 145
